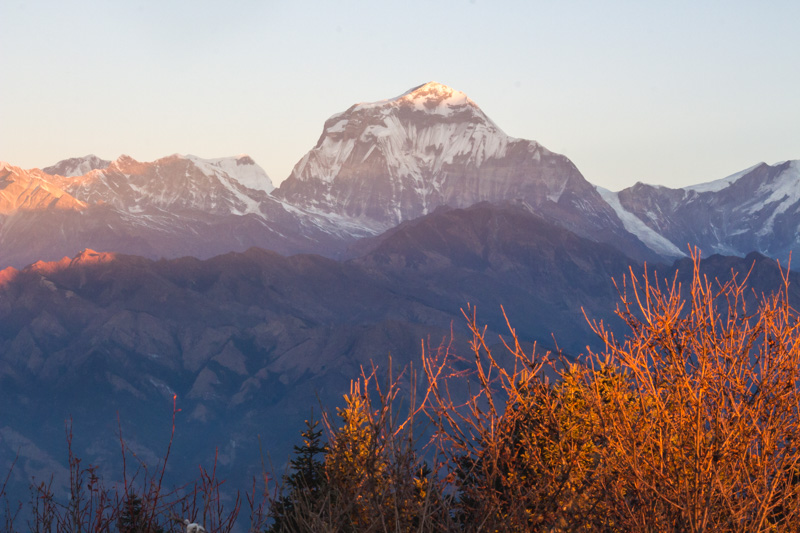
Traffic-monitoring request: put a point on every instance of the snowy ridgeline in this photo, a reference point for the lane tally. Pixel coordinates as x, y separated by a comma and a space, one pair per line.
381, 163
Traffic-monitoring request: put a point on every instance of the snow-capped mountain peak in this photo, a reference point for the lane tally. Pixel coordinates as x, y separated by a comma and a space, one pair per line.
752, 210
77, 166
393, 160
432, 98
405, 150
228, 185
29, 190
242, 168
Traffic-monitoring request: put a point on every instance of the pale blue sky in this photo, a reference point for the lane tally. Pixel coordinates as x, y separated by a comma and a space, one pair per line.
670, 92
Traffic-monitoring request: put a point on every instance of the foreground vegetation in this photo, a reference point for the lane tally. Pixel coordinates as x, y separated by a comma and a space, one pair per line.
688, 422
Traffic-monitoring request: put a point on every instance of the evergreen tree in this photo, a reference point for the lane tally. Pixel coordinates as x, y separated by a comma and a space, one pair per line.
132, 519
304, 488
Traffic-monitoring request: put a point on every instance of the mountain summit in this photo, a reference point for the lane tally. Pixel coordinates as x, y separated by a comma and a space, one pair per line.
431, 97
394, 160
77, 166
173, 206
397, 159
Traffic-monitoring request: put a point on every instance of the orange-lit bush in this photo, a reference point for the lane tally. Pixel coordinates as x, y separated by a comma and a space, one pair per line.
689, 423
703, 431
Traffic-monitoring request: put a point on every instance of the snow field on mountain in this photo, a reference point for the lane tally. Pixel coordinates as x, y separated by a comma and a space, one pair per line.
643, 232
718, 185
240, 168
784, 191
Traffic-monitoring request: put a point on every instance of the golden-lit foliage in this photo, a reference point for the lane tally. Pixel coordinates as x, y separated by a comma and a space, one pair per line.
373, 478
710, 443
521, 453
688, 424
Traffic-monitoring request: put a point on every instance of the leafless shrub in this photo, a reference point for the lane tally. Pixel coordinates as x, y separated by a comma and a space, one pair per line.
703, 430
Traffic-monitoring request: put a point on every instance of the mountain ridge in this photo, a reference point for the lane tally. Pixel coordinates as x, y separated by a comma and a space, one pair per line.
375, 165
757, 209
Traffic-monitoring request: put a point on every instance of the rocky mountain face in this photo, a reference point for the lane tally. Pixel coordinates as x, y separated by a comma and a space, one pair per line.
21, 190
757, 209
171, 207
77, 166
398, 159
174, 184
374, 166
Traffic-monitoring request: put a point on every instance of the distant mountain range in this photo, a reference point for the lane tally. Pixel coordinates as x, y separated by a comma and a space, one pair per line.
376, 165
757, 209
254, 303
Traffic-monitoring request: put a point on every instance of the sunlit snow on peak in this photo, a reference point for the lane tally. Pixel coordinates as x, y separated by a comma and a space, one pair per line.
431, 98
434, 97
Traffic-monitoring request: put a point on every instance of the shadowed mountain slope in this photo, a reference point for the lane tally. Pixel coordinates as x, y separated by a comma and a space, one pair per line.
250, 341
